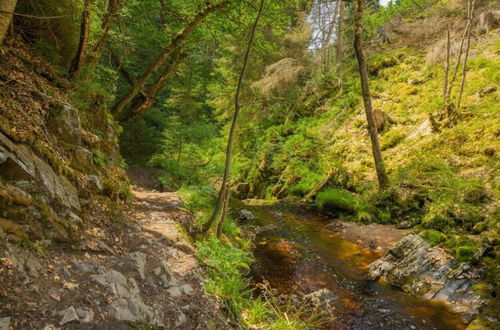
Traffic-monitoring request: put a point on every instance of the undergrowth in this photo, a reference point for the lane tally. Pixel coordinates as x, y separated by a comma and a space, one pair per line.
228, 264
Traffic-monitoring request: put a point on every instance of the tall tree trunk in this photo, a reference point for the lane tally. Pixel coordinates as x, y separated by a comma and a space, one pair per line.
227, 169
470, 16
77, 63
165, 54
446, 67
163, 13
383, 180
114, 7
146, 98
7, 7
340, 35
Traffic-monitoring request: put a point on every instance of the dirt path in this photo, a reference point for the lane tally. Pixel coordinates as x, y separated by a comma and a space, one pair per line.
143, 273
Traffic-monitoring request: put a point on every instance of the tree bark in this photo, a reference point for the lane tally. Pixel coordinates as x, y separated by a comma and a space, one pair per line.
114, 7
164, 55
318, 187
383, 180
77, 62
470, 17
446, 67
146, 99
227, 168
6, 8
340, 35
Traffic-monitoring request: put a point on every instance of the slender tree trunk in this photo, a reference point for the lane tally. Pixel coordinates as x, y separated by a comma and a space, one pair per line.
470, 16
446, 67
146, 99
227, 168
6, 8
77, 63
318, 187
163, 13
383, 180
225, 207
114, 7
164, 55
340, 35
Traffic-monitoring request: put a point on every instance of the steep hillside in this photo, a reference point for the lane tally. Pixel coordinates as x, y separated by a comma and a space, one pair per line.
60, 167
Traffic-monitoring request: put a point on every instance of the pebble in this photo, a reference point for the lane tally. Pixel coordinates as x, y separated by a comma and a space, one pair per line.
69, 315
175, 292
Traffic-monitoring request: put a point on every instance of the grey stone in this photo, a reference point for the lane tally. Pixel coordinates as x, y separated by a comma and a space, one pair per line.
186, 289
5, 323
157, 271
140, 260
82, 266
65, 124
69, 315
94, 183
246, 215
84, 157
488, 21
134, 310
174, 253
22, 165
85, 315
175, 292
181, 319
431, 273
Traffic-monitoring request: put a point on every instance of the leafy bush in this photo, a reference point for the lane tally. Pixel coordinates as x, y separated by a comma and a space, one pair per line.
336, 199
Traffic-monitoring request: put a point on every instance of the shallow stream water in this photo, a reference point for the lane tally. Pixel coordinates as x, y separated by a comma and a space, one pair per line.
297, 254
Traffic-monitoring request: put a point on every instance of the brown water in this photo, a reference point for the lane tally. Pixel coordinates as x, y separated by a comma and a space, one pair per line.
296, 254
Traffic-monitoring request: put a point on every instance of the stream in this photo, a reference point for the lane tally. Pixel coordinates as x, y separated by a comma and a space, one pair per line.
295, 254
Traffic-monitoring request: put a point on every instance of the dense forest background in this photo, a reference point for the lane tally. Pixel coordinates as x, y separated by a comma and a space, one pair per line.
158, 79
302, 133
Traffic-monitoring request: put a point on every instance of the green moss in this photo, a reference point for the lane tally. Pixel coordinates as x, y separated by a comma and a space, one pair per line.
392, 138
433, 237
336, 199
465, 253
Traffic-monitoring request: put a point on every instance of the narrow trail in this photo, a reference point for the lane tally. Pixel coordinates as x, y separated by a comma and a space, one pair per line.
142, 272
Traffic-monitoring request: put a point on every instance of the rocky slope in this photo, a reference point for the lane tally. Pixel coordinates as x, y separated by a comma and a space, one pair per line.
73, 255
143, 273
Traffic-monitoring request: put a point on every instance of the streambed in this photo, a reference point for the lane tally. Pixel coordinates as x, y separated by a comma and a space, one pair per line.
295, 253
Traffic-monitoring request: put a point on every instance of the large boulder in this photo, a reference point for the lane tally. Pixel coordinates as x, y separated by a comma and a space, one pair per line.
20, 166
65, 124
431, 273
488, 21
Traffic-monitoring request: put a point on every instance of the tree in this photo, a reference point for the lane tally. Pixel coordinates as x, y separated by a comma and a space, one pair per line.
146, 98
6, 9
164, 56
340, 34
383, 180
77, 62
114, 7
223, 198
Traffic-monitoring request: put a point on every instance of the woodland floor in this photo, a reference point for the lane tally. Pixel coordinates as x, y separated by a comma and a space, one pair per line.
44, 289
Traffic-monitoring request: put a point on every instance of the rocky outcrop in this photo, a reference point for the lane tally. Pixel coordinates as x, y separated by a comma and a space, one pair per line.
488, 21
21, 167
65, 124
431, 273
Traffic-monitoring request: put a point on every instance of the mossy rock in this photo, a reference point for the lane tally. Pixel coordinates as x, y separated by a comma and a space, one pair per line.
482, 323
336, 199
